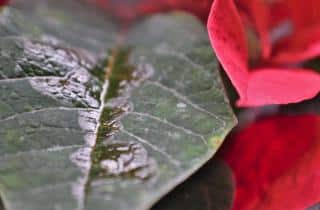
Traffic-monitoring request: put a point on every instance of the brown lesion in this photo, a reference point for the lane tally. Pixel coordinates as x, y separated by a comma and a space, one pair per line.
110, 157
122, 159
118, 71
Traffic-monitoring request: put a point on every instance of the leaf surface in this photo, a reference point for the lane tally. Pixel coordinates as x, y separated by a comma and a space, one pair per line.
88, 122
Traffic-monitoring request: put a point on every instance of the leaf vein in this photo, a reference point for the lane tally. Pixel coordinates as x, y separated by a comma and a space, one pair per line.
186, 100
141, 140
187, 131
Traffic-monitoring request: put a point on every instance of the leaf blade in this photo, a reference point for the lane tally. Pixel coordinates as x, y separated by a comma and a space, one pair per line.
70, 113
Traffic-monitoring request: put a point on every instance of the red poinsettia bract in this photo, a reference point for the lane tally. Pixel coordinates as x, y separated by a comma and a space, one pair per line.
128, 9
289, 34
3, 2
275, 163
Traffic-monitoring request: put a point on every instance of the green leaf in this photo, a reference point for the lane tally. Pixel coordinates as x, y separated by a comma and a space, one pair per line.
88, 122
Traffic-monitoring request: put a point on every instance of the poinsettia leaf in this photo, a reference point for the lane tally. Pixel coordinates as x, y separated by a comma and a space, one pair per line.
265, 85
127, 9
304, 45
85, 28
274, 161
258, 14
91, 123
298, 30
303, 15
227, 36
281, 86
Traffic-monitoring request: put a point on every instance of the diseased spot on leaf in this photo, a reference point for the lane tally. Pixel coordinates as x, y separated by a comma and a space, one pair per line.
116, 158
128, 160
56, 71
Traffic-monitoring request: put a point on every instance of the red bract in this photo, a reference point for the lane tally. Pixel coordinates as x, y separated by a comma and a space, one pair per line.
289, 33
128, 9
275, 163
3, 2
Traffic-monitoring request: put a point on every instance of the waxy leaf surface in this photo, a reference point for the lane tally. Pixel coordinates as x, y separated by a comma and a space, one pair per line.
91, 122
